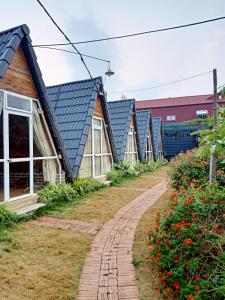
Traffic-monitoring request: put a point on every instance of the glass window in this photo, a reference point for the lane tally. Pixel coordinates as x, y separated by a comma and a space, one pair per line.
97, 141
105, 144
19, 178
1, 181
18, 136
45, 171
88, 146
97, 122
171, 118
86, 167
202, 114
107, 163
19, 103
1, 125
41, 141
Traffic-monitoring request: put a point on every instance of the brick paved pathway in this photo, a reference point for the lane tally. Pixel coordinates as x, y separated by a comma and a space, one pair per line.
109, 273
73, 225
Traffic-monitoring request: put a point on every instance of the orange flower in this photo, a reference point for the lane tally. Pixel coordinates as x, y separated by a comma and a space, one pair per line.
176, 285
156, 227
188, 242
204, 200
190, 297
180, 233
217, 230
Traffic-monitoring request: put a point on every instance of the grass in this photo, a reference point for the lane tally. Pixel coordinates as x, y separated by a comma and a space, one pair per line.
45, 263
42, 263
111, 199
145, 273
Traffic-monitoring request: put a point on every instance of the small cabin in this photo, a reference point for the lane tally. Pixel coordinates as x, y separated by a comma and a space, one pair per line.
83, 120
29, 149
124, 126
157, 137
144, 124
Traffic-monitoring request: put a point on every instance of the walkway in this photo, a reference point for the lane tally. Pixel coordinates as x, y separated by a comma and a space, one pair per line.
109, 273
73, 225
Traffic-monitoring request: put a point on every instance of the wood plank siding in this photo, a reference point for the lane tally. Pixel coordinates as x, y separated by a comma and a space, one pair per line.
132, 121
17, 77
98, 112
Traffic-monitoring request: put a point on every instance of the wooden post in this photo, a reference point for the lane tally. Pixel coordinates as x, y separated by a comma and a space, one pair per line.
213, 158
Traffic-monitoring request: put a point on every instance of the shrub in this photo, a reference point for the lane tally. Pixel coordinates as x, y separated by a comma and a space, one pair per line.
122, 170
7, 217
150, 165
188, 245
57, 193
85, 185
187, 168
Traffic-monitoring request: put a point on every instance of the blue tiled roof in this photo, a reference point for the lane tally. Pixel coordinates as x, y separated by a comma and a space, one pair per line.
177, 138
157, 134
73, 104
120, 113
144, 125
10, 40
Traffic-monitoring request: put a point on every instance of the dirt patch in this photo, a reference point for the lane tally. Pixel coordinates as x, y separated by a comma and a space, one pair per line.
146, 275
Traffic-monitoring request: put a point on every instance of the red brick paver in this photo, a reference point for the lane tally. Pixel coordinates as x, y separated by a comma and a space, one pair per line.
73, 225
109, 273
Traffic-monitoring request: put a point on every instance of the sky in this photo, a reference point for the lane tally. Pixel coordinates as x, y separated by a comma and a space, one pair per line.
139, 62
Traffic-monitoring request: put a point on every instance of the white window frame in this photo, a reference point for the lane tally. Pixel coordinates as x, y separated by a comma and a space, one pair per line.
131, 132
102, 128
171, 118
149, 153
202, 112
6, 111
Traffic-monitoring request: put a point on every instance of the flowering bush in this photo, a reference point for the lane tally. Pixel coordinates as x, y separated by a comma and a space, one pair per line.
189, 169
188, 245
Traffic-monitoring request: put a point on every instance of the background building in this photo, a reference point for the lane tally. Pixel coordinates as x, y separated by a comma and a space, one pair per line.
179, 109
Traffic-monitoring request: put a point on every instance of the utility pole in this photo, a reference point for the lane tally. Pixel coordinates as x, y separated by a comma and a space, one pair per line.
213, 158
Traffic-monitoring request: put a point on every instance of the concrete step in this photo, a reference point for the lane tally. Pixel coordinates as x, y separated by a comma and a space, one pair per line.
28, 209
107, 182
20, 203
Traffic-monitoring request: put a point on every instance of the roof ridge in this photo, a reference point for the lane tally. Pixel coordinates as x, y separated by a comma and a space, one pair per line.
122, 100
167, 98
78, 81
24, 27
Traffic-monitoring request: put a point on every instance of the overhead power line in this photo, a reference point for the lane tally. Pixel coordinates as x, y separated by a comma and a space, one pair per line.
73, 52
66, 37
135, 34
161, 85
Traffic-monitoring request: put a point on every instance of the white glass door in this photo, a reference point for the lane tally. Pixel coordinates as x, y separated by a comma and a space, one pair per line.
18, 153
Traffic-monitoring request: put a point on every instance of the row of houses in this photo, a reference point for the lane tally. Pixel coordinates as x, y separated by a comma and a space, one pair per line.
62, 132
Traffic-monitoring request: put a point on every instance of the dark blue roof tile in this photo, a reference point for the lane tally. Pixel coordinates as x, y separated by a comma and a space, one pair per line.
10, 40
157, 134
120, 113
73, 104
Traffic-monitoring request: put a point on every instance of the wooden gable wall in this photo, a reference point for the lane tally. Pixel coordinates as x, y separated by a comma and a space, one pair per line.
132, 121
17, 77
98, 111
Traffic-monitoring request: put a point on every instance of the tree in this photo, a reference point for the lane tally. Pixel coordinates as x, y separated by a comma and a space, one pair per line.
212, 141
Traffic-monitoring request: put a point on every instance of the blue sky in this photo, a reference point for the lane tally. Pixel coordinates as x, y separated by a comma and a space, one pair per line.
137, 62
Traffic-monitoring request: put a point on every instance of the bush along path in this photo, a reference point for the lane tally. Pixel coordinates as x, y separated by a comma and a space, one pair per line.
109, 272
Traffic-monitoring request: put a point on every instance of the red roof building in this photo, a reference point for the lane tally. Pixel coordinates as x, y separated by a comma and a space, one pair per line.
179, 109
